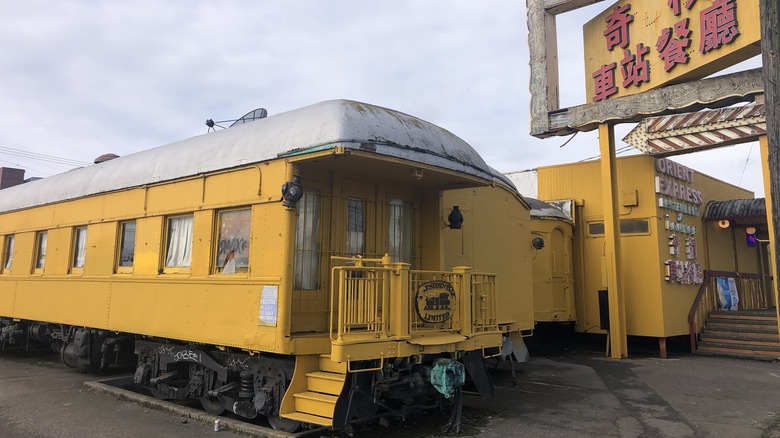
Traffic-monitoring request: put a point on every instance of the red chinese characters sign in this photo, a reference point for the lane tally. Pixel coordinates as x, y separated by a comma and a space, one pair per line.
637, 45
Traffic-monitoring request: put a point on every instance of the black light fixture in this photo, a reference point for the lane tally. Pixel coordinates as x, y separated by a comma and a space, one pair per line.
455, 218
537, 243
292, 192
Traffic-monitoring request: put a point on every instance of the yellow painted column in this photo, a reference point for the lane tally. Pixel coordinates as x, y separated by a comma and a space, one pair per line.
764, 143
609, 196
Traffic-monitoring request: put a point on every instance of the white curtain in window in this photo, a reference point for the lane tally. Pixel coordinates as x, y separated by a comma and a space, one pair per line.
356, 227
307, 251
42, 238
179, 251
80, 247
9, 251
400, 232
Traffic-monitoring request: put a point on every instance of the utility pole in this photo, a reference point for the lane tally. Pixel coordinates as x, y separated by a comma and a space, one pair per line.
770, 50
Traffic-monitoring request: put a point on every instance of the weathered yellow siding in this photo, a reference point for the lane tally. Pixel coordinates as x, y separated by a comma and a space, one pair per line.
553, 274
144, 299
654, 306
495, 238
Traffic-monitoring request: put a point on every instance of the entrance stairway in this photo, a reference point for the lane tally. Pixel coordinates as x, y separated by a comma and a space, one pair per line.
748, 334
315, 400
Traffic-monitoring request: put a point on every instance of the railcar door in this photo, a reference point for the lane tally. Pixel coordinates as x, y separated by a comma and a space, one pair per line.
359, 218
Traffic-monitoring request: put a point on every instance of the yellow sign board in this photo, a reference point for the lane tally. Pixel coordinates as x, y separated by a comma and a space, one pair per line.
635, 46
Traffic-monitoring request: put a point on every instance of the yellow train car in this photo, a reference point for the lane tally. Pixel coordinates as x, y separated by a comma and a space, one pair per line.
312, 267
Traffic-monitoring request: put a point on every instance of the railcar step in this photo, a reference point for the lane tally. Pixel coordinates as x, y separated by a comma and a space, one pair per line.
324, 382
315, 403
326, 364
308, 418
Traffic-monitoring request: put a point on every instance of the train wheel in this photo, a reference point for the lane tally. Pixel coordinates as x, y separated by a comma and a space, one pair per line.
213, 405
283, 424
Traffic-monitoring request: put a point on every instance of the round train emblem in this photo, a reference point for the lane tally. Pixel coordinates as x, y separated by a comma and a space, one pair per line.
435, 301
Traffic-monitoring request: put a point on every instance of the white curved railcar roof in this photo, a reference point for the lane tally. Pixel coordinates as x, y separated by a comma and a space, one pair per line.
327, 124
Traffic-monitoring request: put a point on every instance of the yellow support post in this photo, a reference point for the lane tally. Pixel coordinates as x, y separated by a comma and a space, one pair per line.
763, 142
464, 300
399, 300
609, 190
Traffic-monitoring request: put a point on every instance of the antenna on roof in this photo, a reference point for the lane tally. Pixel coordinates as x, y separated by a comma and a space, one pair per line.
251, 116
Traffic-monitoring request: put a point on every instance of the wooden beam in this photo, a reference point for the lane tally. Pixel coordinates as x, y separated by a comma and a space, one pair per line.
770, 48
543, 51
715, 92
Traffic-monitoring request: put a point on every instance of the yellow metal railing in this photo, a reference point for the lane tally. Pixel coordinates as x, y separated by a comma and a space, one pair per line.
378, 299
749, 290
360, 298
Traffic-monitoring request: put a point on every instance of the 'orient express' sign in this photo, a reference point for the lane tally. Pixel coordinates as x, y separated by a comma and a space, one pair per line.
435, 301
637, 45
675, 198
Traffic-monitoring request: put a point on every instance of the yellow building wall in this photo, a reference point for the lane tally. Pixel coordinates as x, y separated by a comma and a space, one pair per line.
494, 215
654, 306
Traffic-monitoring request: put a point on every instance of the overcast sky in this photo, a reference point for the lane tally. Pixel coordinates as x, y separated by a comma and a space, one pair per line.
83, 78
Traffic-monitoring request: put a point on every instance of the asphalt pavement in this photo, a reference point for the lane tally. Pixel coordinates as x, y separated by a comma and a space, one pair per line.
559, 394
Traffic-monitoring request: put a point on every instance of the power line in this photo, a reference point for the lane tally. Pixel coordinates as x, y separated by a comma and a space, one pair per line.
42, 157
27, 167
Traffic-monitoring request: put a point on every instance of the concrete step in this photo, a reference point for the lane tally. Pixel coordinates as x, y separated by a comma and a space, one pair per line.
772, 352
740, 339
734, 355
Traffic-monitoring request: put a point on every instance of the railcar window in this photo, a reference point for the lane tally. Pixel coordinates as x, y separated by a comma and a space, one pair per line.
233, 241
178, 253
40, 249
126, 244
79, 246
356, 226
9, 253
307, 243
401, 233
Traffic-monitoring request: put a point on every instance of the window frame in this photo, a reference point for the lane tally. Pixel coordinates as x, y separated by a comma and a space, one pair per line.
74, 249
305, 280
165, 269
600, 223
7, 255
215, 269
406, 204
118, 268
38, 270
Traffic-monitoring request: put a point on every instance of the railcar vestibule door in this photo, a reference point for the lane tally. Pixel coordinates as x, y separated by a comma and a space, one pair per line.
357, 218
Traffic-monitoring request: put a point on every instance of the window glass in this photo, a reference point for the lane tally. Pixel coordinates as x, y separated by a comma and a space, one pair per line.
79, 246
356, 226
40, 249
307, 243
401, 232
596, 228
127, 244
9, 252
627, 226
178, 253
233, 241
634, 226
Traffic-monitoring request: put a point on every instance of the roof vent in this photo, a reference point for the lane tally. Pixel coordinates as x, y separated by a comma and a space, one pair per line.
105, 157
